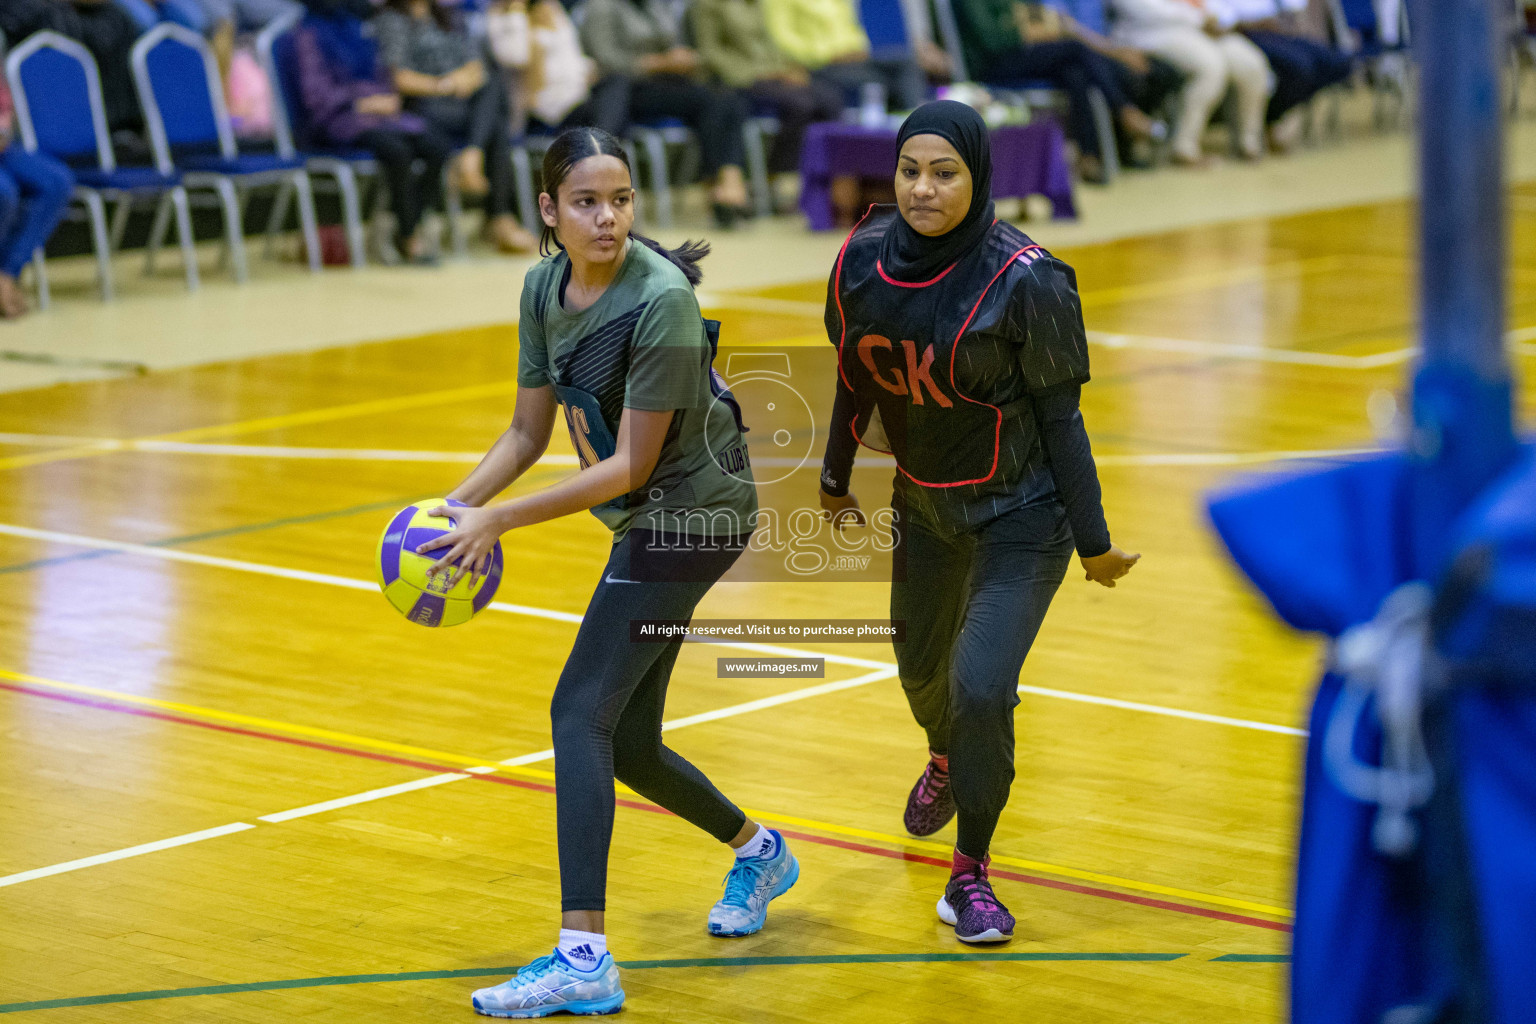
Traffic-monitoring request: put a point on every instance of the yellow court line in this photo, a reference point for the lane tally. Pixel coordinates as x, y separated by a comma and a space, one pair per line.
488, 763
294, 419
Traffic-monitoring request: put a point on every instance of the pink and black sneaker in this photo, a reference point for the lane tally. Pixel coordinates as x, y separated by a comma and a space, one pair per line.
930, 805
970, 905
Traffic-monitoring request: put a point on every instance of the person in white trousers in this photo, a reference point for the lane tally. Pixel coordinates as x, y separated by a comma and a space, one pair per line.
1197, 36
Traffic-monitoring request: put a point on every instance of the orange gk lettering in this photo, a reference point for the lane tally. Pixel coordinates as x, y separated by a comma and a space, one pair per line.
918, 372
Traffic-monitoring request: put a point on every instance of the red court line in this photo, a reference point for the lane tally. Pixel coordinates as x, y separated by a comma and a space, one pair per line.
843, 844
1049, 883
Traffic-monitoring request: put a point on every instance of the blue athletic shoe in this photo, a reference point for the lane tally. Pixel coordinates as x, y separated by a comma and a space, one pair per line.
748, 888
552, 984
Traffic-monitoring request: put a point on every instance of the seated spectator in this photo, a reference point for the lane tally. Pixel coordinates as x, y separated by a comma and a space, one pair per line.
21, 18
109, 32
349, 100
225, 20
736, 49
1303, 67
646, 73
149, 13
444, 80
934, 60
1006, 41
827, 38
538, 41
1147, 80
1191, 35
34, 191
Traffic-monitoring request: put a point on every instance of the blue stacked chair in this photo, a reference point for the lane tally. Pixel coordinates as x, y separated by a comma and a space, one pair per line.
182, 97
71, 125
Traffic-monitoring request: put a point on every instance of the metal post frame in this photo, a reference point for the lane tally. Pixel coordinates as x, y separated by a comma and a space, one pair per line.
1463, 430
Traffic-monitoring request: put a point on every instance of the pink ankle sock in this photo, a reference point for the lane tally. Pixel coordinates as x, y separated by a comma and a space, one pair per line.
963, 864
940, 761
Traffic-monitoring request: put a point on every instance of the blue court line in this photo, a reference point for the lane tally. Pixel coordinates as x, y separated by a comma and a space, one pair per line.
633, 965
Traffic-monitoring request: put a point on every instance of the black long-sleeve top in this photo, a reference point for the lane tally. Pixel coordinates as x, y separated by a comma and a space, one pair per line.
1047, 329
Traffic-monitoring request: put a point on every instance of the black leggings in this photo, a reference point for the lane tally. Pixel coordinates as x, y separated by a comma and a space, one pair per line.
608, 705
716, 115
972, 604
410, 193
1077, 69
483, 121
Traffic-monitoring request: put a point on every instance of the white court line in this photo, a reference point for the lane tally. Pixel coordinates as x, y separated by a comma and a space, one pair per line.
288, 452
50, 439
328, 579
558, 459
883, 670
1259, 353
132, 851
437, 780
731, 712
363, 798
1157, 709
1256, 353
783, 698
1229, 458
170, 554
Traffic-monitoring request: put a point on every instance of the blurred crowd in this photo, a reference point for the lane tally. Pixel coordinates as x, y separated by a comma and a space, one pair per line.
437, 90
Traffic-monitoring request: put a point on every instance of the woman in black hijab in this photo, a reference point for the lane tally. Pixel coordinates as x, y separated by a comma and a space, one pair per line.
961, 351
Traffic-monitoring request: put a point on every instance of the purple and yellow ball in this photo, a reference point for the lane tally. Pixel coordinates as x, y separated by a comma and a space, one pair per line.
403, 573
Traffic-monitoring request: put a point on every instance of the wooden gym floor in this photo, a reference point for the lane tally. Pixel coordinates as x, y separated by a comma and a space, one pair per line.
237, 786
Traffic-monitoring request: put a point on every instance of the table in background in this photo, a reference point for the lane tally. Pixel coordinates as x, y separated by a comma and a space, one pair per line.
1027, 160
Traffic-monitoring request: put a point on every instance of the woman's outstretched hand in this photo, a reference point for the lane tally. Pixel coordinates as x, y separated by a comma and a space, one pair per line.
1110, 566
470, 543
839, 511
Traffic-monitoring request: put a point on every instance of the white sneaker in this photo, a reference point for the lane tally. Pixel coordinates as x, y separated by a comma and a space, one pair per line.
552, 984
749, 886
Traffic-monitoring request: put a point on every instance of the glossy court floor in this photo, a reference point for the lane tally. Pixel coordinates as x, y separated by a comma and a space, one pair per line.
236, 786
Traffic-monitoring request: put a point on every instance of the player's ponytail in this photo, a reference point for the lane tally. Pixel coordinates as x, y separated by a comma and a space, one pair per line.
573, 146
686, 256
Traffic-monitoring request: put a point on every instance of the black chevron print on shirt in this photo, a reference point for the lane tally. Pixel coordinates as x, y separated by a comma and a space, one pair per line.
599, 363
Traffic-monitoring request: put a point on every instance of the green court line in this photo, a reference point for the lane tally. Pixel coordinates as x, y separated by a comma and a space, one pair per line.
1252, 958
633, 965
234, 531
230, 531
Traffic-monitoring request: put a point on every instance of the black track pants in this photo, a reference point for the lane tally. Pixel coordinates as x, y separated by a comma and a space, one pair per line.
972, 605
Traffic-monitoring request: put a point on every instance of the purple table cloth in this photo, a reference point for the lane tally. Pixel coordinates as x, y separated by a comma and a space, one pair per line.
1026, 160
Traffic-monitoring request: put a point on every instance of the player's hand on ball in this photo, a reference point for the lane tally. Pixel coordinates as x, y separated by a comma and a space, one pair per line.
469, 544
1110, 566
839, 511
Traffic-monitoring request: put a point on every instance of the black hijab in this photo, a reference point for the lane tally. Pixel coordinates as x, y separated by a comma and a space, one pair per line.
909, 256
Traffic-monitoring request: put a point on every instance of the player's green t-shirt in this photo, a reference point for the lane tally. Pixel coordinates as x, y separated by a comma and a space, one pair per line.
642, 345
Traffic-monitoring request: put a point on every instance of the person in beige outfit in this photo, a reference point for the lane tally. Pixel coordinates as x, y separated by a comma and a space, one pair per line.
737, 51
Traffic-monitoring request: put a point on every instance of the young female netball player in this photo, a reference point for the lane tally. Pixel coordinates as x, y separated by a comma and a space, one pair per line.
964, 340
610, 329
